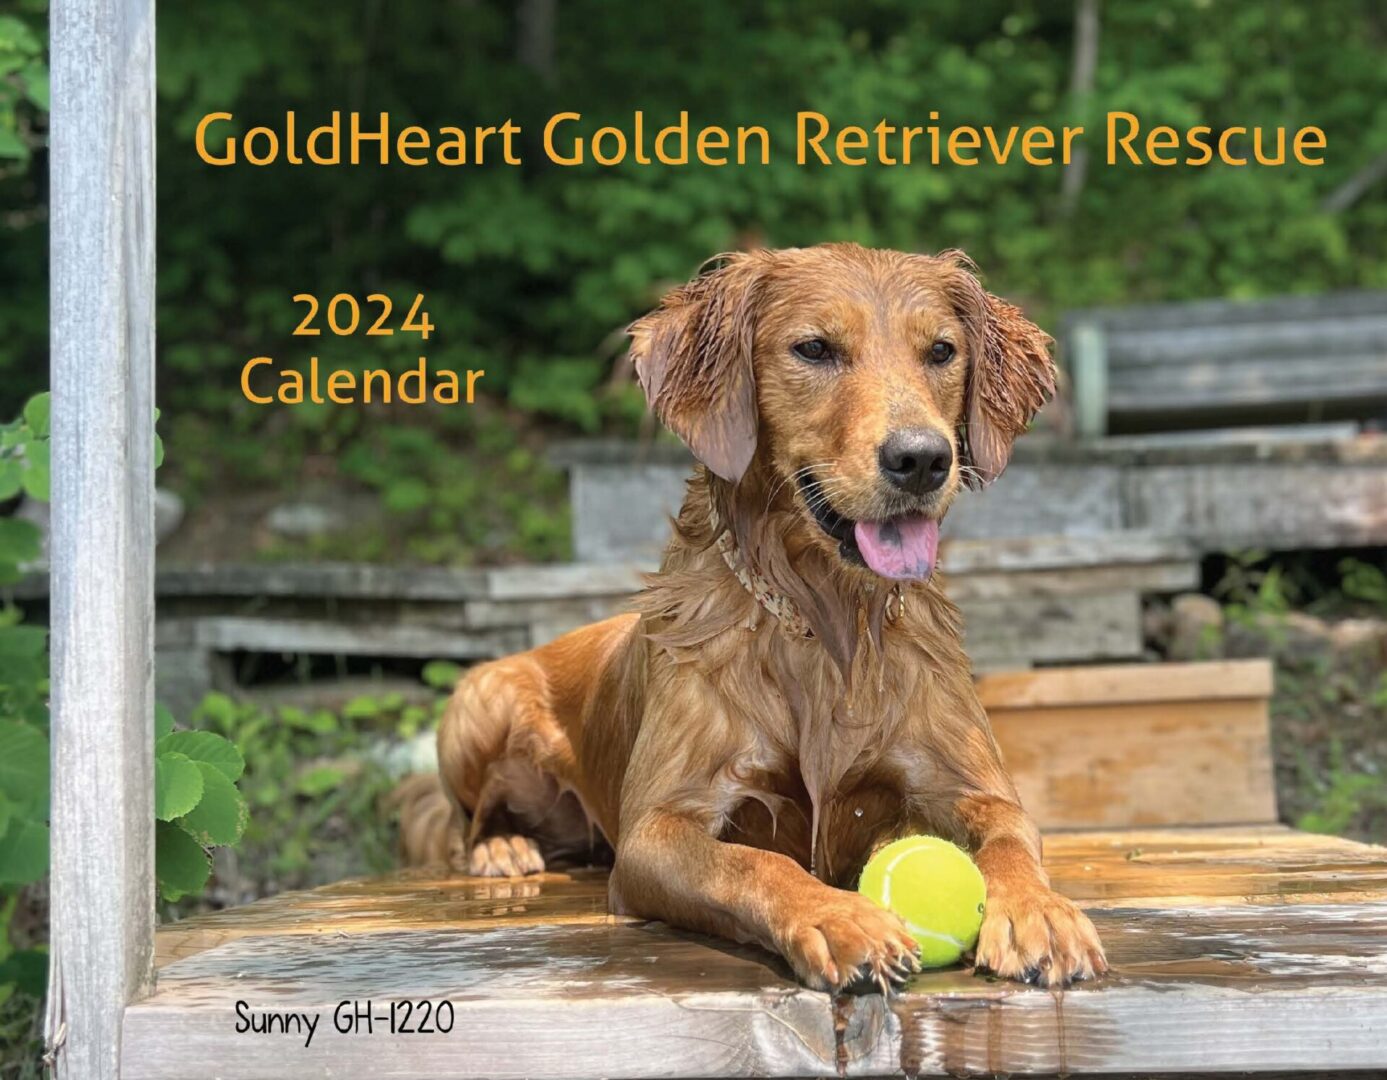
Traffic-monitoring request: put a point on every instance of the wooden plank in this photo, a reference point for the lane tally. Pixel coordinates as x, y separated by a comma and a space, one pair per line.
1226, 507
1217, 383
1054, 551
566, 580
101, 170
1152, 867
1121, 684
1040, 499
1205, 990
233, 633
1313, 338
1052, 629
1201, 313
1142, 578
1257, 982
1148, 764
486, 614
335, 581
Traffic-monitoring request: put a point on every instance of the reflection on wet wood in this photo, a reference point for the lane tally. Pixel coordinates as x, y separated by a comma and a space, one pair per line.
1267, 864
1252, 987
1245, 949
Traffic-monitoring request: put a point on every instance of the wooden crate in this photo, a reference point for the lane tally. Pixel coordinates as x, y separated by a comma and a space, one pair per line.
1138, 744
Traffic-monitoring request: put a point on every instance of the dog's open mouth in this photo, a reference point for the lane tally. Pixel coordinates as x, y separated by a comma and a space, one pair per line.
903, 548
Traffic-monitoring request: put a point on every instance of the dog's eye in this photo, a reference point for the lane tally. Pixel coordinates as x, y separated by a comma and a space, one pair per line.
815, 350
941, 352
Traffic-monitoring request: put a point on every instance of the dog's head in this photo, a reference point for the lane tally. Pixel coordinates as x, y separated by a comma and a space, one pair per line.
874, 383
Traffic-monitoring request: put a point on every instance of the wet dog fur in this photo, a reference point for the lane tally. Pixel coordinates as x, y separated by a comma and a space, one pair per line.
740, 771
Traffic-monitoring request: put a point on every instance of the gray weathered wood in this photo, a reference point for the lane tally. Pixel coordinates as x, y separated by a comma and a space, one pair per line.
233, 633
1233, 950
102, 312
1226, 507
1088, 371
1024, 630
1294, 357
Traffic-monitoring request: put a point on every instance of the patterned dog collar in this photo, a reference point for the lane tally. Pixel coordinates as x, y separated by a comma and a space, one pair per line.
785, 610
779, 605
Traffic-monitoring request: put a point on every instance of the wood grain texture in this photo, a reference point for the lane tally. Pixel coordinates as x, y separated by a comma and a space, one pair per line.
1185, 867
1120, 684
1137, 744
102, 323
1233, 950
1291, 357
1143, 764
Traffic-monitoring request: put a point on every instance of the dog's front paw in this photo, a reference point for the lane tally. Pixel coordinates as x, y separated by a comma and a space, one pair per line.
843, 938
1038, 936
505, 856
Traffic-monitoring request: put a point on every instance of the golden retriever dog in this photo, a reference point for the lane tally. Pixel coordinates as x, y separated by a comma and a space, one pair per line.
792, 691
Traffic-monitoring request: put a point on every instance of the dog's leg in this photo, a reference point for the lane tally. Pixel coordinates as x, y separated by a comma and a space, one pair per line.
670, 868
491, 755
1029, 931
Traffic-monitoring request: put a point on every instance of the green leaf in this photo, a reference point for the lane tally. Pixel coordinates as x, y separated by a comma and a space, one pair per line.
180, 864
36, 469
23, 852
163, 721
12, 146
442, 674
19, 539
27, 969
206, 747
35, 78
23, 761
10, 471
220, 816
178, 785
364, 707
319, 781
36, 413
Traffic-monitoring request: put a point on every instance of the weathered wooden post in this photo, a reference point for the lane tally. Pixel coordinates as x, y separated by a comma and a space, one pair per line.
1088, 370
102, 550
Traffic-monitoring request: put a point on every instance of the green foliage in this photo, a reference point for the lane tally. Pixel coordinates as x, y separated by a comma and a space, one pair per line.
193, 811
530, 272
23, 82
196, 803
313, 784
24, 749
1346, 798
23, 468
1364, 582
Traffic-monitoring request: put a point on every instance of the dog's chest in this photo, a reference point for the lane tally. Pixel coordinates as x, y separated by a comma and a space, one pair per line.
777, 814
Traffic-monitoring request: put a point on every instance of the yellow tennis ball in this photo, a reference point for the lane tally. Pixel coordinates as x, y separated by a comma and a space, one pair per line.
935, 888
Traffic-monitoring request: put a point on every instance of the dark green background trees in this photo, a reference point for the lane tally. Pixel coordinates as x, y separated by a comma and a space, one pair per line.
531, 272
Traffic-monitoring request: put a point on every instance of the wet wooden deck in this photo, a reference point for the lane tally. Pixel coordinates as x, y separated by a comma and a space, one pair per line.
1233, 949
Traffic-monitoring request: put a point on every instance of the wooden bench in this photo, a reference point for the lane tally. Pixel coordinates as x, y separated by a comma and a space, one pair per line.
1210, 363
1237, 944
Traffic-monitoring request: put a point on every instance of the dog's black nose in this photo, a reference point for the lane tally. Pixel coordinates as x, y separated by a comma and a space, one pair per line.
916, 460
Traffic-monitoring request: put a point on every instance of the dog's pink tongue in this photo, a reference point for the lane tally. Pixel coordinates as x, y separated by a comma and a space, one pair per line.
904, 548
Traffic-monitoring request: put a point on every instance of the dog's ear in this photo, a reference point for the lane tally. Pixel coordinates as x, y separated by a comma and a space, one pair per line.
693, 359
1010, 376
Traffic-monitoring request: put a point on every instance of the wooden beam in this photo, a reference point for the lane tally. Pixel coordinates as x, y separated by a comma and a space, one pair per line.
1126, 684
102, 312
1233, 950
